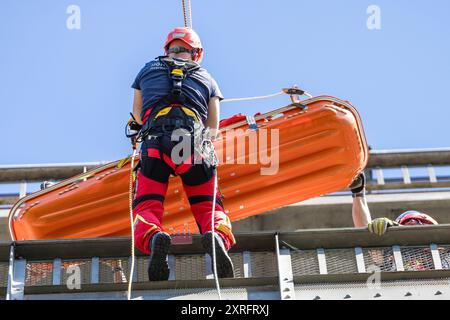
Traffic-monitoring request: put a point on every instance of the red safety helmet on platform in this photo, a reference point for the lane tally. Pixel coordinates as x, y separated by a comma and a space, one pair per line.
415, 215
188, 36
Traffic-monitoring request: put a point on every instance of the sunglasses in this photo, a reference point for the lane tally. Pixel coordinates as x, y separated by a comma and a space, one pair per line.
180, 49
412, 222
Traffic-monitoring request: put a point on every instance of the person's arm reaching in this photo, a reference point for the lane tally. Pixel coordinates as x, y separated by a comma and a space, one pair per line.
137, 106
212, 121
360, 212
360, 209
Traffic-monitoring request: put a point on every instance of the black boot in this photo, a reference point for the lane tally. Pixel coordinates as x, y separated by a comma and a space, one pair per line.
224, 263
158, 268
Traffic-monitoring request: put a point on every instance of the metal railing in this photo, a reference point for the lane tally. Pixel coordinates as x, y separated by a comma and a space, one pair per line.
379, 162
268, 265
404, 160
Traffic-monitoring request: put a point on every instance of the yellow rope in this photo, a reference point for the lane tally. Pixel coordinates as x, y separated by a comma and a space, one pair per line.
130, 280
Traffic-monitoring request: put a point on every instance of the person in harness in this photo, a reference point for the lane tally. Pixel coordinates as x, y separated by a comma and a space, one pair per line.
176, 100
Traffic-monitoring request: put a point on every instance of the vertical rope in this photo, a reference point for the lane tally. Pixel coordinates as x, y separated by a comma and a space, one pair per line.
213, 213
133, 255
190, 14
184, 13
187, 13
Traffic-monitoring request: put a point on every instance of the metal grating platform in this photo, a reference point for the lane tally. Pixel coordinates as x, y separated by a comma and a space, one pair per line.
341, 261
444, 254
264, 264
3, 274
321, 264
382, 258
305, 262
417, 259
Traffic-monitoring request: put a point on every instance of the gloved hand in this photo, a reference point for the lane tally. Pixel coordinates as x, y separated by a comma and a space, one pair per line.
208, 153
132, 130
358, 185
203, 144
379, 226
133, 127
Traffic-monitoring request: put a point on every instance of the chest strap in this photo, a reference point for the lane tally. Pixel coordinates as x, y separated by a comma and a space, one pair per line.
172, 117
178, 69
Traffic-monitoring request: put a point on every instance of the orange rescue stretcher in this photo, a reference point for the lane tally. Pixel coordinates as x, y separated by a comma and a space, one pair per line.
321, 148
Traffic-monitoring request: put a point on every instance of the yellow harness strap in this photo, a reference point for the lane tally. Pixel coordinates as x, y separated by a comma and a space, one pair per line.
163, 112
187, 111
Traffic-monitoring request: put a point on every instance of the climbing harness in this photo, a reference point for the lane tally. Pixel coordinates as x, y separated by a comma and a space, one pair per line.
170, 116
178, 69
172, 112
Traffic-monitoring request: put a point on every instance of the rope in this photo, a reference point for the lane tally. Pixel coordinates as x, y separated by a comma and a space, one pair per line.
213, 211
261, 97
130, 280
190, 14
133, 255
184, 13
187, 14
188, 23
216, 278
253, 98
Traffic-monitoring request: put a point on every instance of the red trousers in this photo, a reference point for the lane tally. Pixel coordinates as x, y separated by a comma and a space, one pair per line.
152, 182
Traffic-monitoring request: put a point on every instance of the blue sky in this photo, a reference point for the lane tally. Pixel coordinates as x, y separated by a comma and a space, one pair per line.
65, 94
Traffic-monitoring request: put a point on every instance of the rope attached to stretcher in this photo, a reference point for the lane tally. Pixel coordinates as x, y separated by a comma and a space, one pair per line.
290, 91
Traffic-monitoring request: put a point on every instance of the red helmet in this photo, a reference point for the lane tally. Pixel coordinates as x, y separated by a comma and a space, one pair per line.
416, 215
188, 36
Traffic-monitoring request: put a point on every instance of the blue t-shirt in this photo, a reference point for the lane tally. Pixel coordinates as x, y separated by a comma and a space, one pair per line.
155, 84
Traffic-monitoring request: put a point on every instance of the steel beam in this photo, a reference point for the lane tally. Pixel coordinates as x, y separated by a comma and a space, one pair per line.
56, 274
436, 257
257, 241
398, 258
360, 260
60, 171
208, 267
247, 261
16, 276
95, 270
321, 258
397, 158
171, 261
285, 274
41, 172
